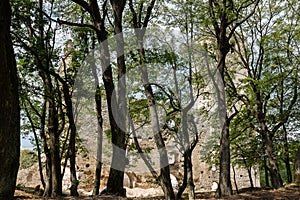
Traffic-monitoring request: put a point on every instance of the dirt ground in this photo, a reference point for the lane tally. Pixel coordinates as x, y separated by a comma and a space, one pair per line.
289, 192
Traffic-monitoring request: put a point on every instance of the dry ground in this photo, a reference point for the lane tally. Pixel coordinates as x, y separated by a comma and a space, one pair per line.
290, 192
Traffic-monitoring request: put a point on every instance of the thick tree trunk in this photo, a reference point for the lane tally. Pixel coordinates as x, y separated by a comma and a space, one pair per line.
116, 174
9, 108
273, 166
225, 188
297, 168
266, 173
54, 151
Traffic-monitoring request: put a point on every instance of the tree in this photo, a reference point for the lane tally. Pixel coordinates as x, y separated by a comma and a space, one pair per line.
46, 92
271, 104
9, 108
297, 168
226, 16
140, 29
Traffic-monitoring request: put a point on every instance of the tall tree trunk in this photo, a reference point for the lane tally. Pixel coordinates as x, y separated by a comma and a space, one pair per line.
37, 143
273, 166
54, 148
9, 108
297, 168
140, 29
164, 178
287, 156
98, 101
72, 140
116, 174
224, 188
48, 181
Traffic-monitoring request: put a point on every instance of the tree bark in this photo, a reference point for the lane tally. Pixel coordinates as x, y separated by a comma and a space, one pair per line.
225, 187
297, 168
72, 140
98, 170
266, 173
273, 168
116, 174
9, 108
287, 156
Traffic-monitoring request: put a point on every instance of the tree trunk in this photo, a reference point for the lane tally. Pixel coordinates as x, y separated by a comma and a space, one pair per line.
116, 174
266, 173
37, 143
225, 188
72, 140
99, 138
273, 166
287, 156
9, 108
54, 151
190, 180
297, 168
140, 29
164, 178
234, 179
250, 177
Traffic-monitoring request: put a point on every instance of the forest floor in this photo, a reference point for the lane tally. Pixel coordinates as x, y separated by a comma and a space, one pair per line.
290, 192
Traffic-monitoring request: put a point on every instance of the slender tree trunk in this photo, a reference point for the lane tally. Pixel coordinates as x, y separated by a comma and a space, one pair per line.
98, 100
297, 168
190, 180
9, 108
287, 156
250, 177
37, 143
72, 140
234, 178
164, 178
48, 181
249, 173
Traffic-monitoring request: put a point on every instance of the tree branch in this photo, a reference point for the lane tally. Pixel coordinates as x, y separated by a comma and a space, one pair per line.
243, 20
